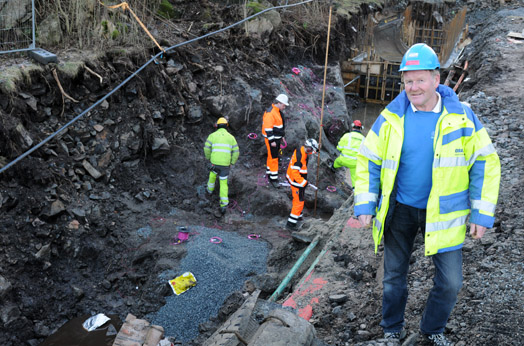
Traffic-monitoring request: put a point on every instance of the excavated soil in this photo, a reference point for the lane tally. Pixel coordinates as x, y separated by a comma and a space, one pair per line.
89, 219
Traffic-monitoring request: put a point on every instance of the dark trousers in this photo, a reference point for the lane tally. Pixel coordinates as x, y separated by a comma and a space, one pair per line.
399, 236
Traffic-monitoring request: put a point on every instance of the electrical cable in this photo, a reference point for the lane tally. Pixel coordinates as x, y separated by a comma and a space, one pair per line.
28, 152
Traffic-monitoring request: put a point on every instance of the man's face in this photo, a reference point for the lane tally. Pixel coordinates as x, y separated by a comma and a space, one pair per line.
281, 106
420, 88
309, 150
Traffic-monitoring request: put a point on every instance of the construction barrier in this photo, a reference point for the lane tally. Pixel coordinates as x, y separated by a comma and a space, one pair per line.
17, 25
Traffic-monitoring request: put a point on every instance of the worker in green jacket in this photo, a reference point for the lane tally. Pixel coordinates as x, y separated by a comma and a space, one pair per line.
349, 145
221, 149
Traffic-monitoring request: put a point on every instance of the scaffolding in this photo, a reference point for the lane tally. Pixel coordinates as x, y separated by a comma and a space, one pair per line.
369, 74
17, 25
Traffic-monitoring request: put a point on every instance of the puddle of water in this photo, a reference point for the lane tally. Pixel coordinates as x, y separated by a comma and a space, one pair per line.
72, 333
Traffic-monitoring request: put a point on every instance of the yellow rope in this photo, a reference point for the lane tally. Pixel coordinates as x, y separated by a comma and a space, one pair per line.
125, 6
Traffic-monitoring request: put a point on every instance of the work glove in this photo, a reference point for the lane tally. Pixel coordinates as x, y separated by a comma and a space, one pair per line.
312, 186
210, 166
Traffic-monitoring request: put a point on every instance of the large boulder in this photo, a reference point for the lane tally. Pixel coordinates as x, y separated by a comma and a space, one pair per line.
49, 31
237, 106
263, 25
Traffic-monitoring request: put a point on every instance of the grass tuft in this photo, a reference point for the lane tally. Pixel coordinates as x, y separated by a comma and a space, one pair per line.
12, 76
71, 68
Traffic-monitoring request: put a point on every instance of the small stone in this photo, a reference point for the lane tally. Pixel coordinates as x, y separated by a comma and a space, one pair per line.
73, 225
91, 170
352, 317
338, 298
56, 208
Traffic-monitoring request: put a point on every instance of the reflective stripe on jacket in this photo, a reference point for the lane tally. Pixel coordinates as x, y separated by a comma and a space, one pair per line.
273, 124
465, 173
349, 144
297, 170
221, 148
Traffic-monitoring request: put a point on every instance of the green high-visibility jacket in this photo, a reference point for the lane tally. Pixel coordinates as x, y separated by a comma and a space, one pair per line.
349, 144
465, 173
221, 148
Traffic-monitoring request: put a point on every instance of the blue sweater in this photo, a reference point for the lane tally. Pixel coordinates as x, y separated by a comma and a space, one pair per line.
416, 159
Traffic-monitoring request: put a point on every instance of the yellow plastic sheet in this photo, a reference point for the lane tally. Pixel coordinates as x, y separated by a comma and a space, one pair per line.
183, 283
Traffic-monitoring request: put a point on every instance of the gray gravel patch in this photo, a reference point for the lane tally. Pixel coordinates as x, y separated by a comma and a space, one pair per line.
219, 269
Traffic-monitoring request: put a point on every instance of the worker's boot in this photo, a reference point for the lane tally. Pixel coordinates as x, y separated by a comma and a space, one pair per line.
291, 226
220, 212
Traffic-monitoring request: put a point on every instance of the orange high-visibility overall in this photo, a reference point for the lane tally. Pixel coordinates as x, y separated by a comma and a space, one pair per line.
273, 131
297, 177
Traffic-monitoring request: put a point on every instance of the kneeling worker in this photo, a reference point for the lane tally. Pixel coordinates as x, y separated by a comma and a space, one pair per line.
221, 149
349, 146
297, 177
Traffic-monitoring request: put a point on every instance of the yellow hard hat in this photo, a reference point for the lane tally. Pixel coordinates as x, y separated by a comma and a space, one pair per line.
221, 120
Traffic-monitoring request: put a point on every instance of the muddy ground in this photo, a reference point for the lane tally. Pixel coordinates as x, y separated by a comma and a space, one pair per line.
77, 214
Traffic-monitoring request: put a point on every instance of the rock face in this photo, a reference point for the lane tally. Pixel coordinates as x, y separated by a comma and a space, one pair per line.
14, 12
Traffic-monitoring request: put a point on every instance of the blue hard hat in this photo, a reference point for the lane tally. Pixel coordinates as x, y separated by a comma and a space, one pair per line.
419, 57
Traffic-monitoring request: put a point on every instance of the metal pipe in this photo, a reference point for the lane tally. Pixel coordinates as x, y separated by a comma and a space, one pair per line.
312, 266
354, 79
293, 270
32, 46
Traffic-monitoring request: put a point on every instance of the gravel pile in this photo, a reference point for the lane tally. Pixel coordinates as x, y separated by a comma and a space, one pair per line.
219, 269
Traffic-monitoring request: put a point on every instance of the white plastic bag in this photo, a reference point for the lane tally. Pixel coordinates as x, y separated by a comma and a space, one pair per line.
94, 322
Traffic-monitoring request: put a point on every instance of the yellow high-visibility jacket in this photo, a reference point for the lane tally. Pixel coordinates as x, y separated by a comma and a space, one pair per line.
221, 148
349, 144
465, 173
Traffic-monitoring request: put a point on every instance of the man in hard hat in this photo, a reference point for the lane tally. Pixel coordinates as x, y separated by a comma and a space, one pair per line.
349, 145
297, 178
221, 149
427, 163
273, 131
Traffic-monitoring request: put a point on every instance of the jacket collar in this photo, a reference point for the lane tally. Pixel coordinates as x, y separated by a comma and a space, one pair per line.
450, 102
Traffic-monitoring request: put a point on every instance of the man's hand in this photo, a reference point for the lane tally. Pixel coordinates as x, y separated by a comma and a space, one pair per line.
273, 144
476, 231
365, 220
312, 186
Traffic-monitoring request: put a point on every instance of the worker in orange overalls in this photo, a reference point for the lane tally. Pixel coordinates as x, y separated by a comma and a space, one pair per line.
273, 132
297, 178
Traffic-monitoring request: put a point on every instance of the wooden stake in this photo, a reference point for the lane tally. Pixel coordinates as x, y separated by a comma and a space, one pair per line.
322, 109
